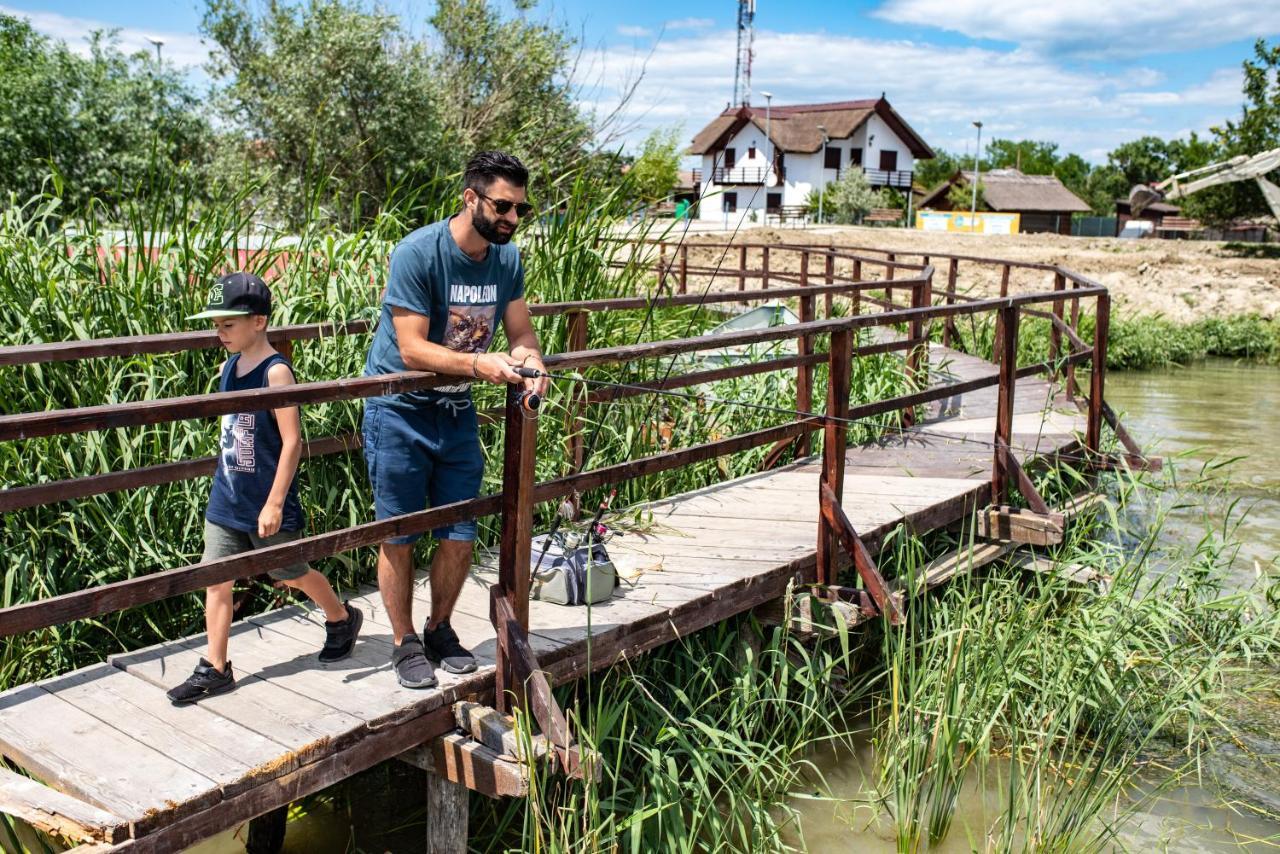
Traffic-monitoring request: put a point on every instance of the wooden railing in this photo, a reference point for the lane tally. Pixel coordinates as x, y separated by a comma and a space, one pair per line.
521, 492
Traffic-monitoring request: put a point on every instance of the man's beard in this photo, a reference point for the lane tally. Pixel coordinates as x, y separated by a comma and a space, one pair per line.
488, 228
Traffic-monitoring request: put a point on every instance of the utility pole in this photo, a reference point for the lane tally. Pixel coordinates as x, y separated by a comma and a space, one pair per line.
159, 43
977, 167
822, 180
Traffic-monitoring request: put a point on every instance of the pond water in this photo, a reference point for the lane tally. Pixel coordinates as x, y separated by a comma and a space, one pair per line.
1196, 416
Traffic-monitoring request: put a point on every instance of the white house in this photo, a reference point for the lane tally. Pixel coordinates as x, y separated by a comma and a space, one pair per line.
811, 144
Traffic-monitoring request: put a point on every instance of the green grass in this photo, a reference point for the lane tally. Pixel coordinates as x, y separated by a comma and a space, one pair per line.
1138, 342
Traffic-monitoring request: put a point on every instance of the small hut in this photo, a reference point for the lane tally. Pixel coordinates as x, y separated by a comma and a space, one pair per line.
1042, 202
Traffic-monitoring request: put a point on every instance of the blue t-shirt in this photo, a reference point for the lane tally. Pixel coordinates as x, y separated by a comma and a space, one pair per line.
248, 457
463, 299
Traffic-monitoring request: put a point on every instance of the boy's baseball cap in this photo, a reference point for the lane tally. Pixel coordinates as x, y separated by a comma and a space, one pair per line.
236, 295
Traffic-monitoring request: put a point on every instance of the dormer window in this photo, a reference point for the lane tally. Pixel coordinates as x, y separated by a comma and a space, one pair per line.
751, 152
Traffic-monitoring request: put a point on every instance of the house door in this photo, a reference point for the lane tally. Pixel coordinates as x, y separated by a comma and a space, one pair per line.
889, 161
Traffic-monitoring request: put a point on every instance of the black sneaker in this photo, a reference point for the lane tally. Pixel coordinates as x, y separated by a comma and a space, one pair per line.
340, 637
203, 682
442, 647
412, 668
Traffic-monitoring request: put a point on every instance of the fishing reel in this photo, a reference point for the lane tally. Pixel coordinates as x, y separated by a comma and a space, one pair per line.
530, 402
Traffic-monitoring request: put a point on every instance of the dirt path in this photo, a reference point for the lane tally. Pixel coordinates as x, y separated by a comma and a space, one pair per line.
1181, 280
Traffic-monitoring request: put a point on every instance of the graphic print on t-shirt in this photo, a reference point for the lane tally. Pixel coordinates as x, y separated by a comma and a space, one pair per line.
237, 442
472, 317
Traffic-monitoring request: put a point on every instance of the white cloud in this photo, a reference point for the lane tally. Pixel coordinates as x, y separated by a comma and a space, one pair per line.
1095, 27
939, 90
628, 31
184, 50
689, 24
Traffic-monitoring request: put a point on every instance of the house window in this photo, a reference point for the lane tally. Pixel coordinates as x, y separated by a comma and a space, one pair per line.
831, 158
730, 158
751, 153
730, 202
889, 161
773, 201
855, 156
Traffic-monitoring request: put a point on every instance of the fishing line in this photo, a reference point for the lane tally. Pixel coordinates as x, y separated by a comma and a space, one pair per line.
780, 410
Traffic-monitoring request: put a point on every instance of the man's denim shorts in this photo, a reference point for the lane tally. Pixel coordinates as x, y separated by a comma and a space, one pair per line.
427, 451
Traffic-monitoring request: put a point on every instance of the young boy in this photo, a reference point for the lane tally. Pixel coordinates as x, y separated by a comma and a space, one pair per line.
254, 500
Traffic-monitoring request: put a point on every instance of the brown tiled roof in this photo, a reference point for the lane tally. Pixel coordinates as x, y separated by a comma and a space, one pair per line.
794, 128
1010, 190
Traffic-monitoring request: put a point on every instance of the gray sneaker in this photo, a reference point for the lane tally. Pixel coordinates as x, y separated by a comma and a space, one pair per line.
442, 646
412, 668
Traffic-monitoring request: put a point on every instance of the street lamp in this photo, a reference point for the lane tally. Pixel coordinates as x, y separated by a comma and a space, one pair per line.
768, 103
977, 166
159, 43
822, 180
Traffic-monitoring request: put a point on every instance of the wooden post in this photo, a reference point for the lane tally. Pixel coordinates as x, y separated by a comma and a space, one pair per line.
890, 258
684, 268
857, 277
1007, 330
764, 268
918, 355
519, 448
446, 815
949, 323
1055, 334
1097, 377
285, 348
742, 267
804, 346
829, 278
1072, 390
1004, 281
834, 439
577, 340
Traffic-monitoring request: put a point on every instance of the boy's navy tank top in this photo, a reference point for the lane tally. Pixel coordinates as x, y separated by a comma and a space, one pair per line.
248, 457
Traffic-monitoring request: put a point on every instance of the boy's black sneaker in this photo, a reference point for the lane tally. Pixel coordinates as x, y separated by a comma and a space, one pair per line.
442, 646
203, 682
412, 668
340, 637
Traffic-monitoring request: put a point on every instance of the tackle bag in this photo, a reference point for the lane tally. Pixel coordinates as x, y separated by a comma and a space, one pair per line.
570, 575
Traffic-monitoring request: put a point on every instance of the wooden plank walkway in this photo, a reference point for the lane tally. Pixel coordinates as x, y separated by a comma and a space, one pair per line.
107, 736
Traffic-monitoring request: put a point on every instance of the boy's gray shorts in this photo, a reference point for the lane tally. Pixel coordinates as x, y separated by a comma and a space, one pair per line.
221, 541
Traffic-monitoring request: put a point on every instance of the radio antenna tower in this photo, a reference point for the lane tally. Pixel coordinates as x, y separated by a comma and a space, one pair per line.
746, 44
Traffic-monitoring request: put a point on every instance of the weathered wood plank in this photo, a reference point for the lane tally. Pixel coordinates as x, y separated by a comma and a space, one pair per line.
56, 813
79, 755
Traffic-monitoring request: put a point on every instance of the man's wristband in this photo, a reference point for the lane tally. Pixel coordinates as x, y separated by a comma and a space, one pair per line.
475, 364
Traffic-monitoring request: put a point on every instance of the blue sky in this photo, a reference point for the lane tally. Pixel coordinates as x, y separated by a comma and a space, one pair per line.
1087, 75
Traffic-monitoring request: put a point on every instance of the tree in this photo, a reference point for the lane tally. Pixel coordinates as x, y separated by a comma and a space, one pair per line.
327, 95
847, 200
930, 173
960, 196
105, 126
656, 170
507, 83
1027, 156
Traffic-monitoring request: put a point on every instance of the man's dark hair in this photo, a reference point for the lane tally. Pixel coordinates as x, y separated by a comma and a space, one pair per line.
486, 166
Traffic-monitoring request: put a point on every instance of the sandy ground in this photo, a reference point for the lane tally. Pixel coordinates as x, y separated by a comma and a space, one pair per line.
1182, 280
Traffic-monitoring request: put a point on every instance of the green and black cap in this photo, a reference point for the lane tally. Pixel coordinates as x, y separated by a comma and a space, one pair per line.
236, 295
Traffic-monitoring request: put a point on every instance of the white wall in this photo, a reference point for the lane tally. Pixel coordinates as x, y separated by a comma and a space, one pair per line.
804, 172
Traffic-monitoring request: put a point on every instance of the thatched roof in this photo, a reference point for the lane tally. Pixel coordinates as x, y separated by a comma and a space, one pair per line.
1010, 190
794, 129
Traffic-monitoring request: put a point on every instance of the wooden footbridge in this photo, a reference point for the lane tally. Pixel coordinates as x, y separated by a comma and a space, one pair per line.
106, 761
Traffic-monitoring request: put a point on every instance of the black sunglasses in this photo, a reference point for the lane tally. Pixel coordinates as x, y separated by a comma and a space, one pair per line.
502, 206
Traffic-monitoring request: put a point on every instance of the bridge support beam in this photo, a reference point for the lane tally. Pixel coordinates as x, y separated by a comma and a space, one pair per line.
447, 813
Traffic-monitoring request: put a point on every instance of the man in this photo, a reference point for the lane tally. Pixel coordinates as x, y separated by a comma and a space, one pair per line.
449, 286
